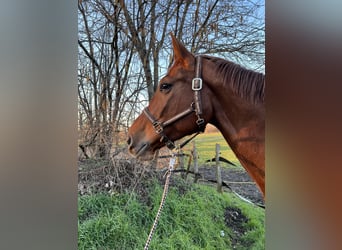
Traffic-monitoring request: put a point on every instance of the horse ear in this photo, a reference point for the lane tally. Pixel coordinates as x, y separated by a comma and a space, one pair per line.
180, 53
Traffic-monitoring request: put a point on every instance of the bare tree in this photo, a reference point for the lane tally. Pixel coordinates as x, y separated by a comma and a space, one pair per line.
105, 64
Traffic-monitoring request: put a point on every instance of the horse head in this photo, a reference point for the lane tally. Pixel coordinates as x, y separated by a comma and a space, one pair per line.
175, 110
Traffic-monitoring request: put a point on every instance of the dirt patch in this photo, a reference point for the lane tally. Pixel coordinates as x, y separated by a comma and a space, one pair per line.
235, 220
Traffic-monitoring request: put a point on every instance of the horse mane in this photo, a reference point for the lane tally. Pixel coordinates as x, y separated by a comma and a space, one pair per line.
248, 84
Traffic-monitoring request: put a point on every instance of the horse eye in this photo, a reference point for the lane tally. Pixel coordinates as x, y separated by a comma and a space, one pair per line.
165, 86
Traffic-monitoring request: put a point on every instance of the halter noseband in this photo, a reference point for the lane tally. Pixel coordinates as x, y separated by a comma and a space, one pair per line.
195, 106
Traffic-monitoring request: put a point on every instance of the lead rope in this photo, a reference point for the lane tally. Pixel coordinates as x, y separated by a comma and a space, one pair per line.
162, 202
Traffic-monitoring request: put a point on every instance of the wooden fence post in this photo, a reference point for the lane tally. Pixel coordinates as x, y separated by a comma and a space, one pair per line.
181, 162
188, 166
218, 169
194, 152
154, 162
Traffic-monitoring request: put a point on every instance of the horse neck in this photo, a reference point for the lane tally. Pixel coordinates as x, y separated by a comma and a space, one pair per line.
242, 125
247, 142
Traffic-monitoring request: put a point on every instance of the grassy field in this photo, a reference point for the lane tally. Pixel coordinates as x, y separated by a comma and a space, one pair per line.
193, 218
206, 144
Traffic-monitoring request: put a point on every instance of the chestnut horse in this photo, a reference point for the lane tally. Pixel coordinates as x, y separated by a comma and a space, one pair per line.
202, 89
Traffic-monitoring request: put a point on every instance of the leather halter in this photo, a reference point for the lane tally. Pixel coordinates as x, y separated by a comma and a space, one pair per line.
195, 106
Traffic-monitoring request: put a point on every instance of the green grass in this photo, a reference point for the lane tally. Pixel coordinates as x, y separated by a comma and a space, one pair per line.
192, 218
206, 146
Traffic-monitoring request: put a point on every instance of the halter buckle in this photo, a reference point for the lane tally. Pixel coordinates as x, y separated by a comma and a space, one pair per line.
157, 127
170, 145
196, 84
201, 124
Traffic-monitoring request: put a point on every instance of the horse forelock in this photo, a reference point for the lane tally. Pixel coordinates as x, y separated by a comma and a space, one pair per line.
248, 84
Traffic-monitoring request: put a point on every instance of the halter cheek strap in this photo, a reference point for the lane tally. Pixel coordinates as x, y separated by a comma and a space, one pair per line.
196, 87
195, 106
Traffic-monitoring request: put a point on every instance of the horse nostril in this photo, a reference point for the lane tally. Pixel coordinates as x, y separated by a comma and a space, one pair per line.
129, 141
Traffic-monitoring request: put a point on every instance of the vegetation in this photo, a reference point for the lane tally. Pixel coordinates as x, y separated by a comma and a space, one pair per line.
194, 217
